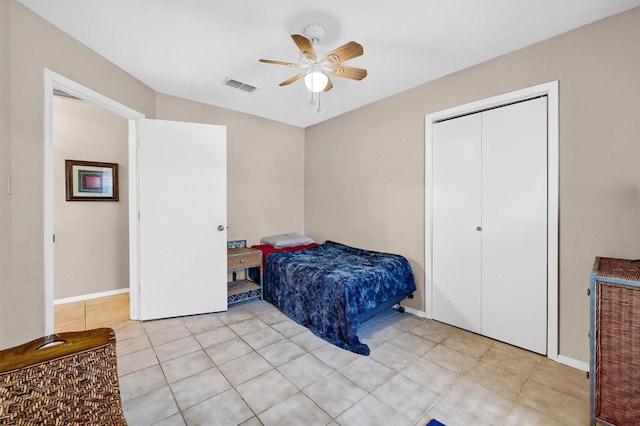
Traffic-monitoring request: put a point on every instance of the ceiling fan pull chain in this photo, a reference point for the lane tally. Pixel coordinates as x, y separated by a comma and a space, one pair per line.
318, 110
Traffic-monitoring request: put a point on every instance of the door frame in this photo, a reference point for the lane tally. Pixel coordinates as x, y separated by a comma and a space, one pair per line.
550, 90
52, 81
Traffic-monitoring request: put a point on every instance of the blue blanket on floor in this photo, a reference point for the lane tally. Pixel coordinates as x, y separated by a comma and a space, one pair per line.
327, 287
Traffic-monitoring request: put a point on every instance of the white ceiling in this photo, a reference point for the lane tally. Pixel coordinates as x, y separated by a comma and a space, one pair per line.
188, 48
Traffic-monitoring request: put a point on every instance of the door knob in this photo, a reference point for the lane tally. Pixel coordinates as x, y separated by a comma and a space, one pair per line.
220, 227
478, 228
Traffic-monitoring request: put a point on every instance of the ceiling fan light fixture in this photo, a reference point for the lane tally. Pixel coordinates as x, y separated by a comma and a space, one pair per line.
316, 81
316, 71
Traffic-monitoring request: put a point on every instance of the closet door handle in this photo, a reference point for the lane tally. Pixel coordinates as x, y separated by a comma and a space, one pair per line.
478, 228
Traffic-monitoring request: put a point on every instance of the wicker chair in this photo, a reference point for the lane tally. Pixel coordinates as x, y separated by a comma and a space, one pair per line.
68, 379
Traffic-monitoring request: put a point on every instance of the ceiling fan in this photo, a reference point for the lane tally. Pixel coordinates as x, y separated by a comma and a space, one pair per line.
316, 71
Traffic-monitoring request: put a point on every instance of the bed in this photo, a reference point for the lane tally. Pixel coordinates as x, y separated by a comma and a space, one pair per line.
332, 288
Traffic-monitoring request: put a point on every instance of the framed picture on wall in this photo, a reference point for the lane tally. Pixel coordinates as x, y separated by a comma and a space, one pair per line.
91, 181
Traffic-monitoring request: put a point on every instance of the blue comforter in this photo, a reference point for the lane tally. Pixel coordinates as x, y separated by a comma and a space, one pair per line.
327, 287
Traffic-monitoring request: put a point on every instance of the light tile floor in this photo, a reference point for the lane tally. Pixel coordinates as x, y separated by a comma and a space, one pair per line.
252, 365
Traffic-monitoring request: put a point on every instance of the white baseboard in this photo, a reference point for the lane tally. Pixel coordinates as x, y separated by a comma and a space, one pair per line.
580, 365
90, 296
415, 312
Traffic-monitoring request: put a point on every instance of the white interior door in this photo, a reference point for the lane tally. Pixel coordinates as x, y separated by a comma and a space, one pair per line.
182, 219
514, 224
456, 243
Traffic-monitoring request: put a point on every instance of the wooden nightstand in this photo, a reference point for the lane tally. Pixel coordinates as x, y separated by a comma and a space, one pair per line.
240, 259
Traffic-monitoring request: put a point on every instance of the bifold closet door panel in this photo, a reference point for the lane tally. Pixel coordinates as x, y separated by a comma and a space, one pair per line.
514, 224
456, 215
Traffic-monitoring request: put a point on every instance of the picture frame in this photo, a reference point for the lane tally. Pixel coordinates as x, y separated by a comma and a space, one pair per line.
91, 181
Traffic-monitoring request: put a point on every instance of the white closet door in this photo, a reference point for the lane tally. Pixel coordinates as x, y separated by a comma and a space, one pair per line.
183, 214
456, 205
514, 224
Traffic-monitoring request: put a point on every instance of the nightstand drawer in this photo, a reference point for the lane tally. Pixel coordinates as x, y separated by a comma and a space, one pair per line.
243, 260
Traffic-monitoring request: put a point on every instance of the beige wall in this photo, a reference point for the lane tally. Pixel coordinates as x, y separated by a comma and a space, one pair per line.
365, 169
34, 45
265, 158
265, 168
92, 238
5, 168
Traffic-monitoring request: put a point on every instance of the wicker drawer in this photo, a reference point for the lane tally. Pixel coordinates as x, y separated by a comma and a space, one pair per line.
244, 260
615, 342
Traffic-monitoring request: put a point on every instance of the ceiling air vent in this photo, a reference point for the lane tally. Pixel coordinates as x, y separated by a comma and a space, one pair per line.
239, 85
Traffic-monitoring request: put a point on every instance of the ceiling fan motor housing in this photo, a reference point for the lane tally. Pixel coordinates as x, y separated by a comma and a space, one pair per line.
315, 33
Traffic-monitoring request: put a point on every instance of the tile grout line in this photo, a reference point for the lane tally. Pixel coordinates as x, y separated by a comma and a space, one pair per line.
408, 328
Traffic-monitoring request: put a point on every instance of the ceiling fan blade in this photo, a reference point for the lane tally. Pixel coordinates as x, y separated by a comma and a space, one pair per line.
271, 61
305, 46
348, 72
292, 79
329, 85
345, 52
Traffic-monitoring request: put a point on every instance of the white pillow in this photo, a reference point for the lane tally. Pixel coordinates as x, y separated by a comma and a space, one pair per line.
292, 239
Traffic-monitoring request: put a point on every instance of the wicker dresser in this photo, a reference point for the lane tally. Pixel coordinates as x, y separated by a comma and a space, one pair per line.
68, 379
615, 342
